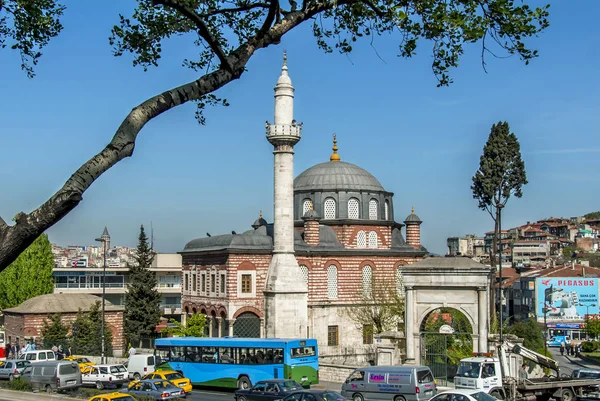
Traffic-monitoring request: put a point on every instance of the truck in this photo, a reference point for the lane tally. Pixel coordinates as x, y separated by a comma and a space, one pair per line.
499, 376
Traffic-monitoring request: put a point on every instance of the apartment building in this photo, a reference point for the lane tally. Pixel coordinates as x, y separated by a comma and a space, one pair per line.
88, 280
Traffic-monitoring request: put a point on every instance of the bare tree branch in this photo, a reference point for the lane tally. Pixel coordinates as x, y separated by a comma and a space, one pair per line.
202, 29
235, 9
270, 18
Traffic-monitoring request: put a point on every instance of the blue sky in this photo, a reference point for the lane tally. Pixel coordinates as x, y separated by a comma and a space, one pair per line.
422, 142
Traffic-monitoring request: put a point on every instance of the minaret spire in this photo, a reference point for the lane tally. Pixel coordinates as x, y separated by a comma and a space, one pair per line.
334, 157
286, 298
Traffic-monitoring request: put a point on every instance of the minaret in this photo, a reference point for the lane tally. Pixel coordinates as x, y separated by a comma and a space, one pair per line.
286, 295
105, 237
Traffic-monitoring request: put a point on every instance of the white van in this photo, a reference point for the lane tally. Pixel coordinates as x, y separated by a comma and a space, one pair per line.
38, 356
140, 365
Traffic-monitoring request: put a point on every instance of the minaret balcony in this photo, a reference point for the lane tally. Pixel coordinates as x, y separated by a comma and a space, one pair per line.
284, 132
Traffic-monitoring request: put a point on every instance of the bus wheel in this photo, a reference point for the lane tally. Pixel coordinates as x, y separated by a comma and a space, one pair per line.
497, 395
567, 395
244, 383
357, 397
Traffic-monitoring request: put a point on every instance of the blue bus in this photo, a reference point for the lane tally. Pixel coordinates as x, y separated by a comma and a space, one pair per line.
237, 362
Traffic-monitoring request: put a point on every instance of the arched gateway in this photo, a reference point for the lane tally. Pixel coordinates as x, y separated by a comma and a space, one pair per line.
439, 282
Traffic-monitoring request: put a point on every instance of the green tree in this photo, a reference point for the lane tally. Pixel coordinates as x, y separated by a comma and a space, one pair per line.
86, 332
28, 276
531, 333
142, 300
54, 332
592, 215
501, 174
194, 327
592, 327
458, 345
228, 34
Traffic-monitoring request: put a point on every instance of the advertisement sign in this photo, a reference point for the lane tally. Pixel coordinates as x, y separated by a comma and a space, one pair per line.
566, 299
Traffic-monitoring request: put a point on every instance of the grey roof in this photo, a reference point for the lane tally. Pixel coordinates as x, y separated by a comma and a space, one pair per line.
310, 214
105, 232
457, 262
259, 222
412, 218
258, 239
340, 176
60, 303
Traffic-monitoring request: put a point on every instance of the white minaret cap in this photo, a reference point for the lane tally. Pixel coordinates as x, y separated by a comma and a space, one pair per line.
284, 78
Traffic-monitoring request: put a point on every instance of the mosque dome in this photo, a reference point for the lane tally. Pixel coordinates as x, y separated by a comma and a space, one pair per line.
336, 176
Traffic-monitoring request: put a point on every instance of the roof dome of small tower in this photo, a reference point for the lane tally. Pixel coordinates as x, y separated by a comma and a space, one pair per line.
413, 218
259, 222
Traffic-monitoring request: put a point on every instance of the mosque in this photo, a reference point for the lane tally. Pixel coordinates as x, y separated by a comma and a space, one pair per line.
334, 235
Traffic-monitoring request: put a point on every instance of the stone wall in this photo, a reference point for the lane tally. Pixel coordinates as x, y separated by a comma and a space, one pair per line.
334, 373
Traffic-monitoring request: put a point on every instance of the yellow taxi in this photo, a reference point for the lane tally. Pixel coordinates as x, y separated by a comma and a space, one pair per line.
171, 375
82, 361
112, 397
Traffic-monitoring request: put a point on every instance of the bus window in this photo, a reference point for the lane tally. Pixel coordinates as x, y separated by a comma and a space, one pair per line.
302, 352
225, 355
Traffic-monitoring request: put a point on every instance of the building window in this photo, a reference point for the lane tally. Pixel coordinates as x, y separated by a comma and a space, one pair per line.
332, 335
329, 207
246, 283
203, 282
194, 283
186, 284
223, 284
367, 334
332, 282
306, 206
386, 209
304, 270
372, 239
373, 205
213, 282
361, 240
367, 278
353, 208
399, 281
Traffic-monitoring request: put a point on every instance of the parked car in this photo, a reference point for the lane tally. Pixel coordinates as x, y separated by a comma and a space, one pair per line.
38, 356
105, 376
556, 341
173, 376
463, 395
314, 395
11, 368
159, 389
53, 375
81, 360
268, 390
112, 397
139, 365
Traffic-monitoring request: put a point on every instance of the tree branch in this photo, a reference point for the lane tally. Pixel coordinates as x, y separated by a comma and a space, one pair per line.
202, 29
235, 9
269, 19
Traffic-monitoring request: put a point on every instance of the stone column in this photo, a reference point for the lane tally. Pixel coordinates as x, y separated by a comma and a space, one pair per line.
231, 322
409, 326
262, 328
219, 326
210, 325
482, 297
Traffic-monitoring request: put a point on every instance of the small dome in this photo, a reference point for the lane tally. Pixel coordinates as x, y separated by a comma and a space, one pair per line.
311, 214
336, 176
259, 222
413, 218
60, 303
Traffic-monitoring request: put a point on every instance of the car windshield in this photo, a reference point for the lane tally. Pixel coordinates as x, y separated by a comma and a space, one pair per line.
125, 398
333, 396
83, 360
469, 369
290, 385
481, 396
589, 375
174, 376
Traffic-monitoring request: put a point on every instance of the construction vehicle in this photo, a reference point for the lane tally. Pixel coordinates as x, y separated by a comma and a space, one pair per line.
500, 377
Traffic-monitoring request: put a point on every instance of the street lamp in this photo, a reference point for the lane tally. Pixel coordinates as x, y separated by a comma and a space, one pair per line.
587, 308
545, 311
103, 241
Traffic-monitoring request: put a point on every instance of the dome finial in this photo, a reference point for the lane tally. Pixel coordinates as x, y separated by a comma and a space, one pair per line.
260, 214
413, 210
285, 58
334, 157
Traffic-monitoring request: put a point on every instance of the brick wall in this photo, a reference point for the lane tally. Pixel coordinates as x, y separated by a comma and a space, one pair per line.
311, 232
413, 235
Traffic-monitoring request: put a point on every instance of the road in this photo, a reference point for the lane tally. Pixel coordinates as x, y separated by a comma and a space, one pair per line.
566, 366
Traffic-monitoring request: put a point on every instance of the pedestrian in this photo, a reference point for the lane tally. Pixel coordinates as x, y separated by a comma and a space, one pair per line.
562, 349
568, 348
23, 349
7, 350
131, 351
69, 352
54, 348
523, 374
33, 347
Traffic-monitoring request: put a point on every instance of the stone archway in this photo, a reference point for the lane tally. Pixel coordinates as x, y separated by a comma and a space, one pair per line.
446, 282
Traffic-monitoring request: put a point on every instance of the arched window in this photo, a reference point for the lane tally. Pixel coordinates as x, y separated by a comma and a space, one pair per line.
353, 208
372, 239
373, 204
367, 278
361, 240
304, 270
386, 210
399, 281
306, 206
329, 206
332, 282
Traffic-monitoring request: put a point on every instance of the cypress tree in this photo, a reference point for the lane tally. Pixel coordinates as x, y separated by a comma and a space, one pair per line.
86, 332
142, 300
54, 332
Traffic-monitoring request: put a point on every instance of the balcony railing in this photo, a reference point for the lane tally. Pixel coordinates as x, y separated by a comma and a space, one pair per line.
86, 286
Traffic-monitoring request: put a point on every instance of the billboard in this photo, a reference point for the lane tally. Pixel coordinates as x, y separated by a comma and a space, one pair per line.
566, 298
